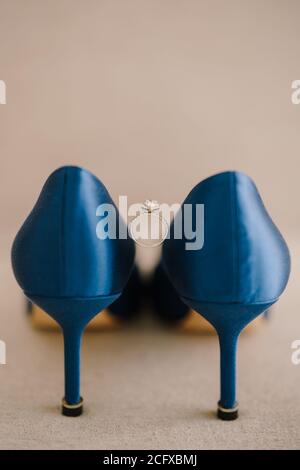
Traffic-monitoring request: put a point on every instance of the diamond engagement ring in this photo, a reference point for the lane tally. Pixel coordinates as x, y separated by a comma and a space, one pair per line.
149, 228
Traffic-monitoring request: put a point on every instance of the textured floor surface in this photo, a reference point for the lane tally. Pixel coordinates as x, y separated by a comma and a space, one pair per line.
146, 387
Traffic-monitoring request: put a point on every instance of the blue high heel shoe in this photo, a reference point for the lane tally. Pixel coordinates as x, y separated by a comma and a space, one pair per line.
64, 268
241, 270
122, 311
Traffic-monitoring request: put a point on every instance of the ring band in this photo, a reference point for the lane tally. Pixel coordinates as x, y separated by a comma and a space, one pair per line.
228, 414
228, 410
149, 208
72, 409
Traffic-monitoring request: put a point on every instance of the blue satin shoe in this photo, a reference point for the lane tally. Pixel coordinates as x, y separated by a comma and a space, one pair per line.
241, 270
64, 268
120, 313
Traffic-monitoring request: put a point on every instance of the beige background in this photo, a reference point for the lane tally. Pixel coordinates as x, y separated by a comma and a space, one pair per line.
152, 96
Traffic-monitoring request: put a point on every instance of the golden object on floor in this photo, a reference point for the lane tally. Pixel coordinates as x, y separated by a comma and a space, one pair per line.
194, 323
101, 322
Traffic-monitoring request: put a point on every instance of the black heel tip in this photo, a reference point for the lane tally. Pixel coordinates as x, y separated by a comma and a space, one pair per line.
228, 414
72, 410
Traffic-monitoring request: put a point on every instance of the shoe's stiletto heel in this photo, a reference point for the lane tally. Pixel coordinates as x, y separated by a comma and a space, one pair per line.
227, 406
65, 269
241, 270
72, 404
